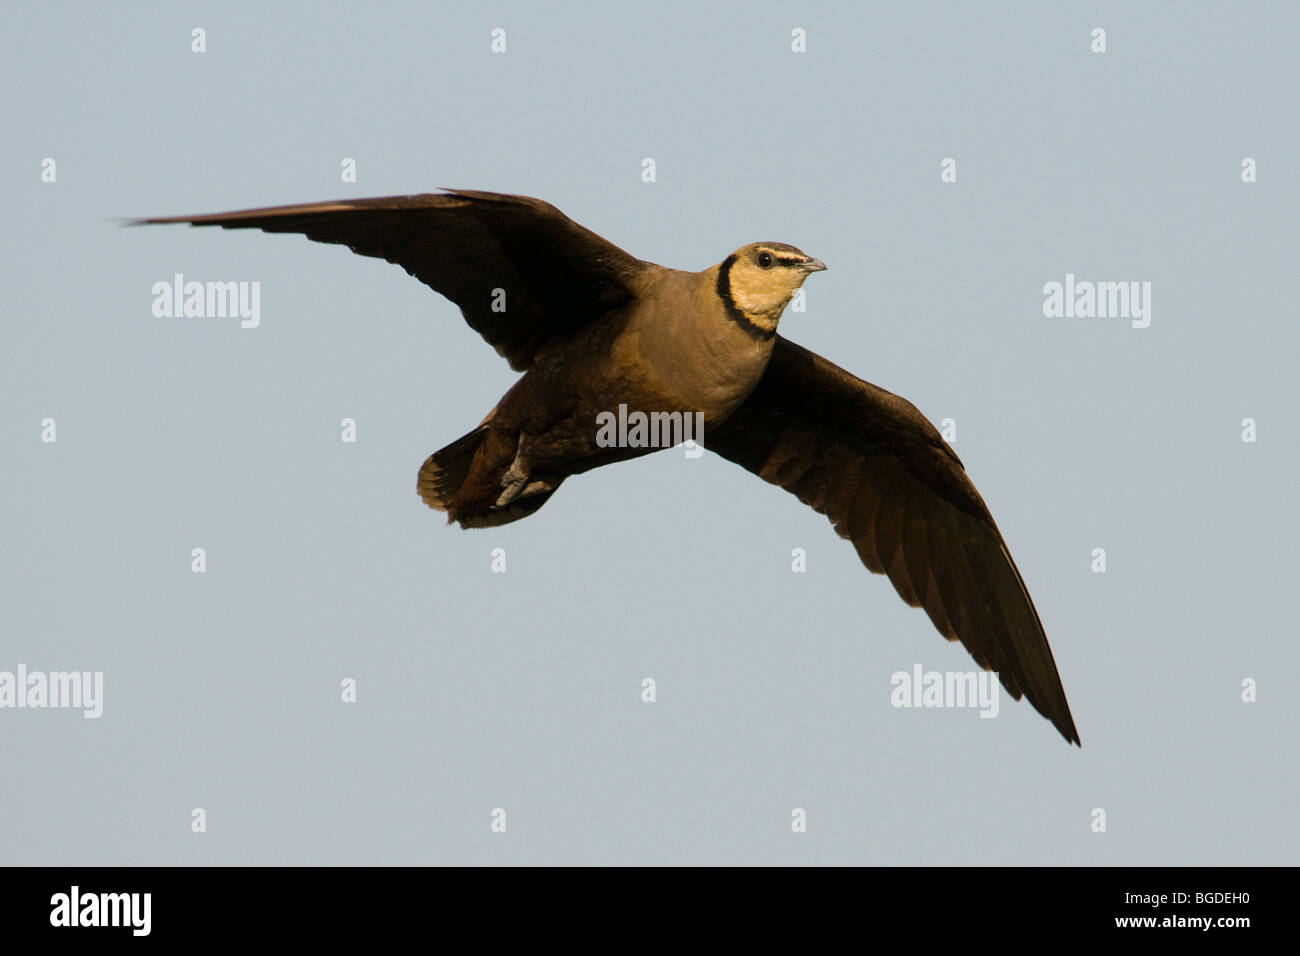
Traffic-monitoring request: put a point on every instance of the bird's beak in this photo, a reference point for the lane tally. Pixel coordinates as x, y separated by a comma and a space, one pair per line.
812, 265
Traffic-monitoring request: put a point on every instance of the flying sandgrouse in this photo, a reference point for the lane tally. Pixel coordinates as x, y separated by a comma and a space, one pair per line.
593, 329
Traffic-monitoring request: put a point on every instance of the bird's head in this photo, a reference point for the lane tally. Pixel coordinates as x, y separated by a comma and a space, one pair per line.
756, 282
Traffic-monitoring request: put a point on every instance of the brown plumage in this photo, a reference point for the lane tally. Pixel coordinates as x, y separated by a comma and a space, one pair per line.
593, 328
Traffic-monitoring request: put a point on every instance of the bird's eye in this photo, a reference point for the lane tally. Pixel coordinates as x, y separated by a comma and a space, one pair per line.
765, 260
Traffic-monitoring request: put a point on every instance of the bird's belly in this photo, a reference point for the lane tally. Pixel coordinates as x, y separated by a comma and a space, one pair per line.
715, 391
600, 400
701, 375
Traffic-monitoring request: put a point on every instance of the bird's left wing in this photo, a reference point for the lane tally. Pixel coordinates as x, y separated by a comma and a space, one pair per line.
521, 271
879, 470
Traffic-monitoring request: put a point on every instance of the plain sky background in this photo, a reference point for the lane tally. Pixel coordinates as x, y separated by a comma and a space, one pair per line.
522, 690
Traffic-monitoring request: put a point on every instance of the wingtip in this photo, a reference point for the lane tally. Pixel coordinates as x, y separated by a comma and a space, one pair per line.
156, 221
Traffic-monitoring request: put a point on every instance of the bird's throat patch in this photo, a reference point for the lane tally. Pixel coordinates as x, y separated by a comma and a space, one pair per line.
758, 325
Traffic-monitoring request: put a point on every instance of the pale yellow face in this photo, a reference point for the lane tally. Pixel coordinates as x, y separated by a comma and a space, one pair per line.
763, 277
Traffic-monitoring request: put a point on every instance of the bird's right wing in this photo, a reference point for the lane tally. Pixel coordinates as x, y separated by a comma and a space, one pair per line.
879, 470
521, 271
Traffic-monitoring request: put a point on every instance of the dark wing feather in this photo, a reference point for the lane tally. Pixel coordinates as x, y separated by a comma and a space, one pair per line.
889, 483
557, 275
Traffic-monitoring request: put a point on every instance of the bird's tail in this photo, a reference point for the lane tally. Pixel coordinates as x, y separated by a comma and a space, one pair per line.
446, 470
465, 480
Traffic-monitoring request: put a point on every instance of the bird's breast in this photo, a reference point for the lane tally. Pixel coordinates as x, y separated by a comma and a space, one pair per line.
694, 357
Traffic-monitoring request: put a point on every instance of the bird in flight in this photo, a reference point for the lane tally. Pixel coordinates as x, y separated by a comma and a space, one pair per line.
593, 328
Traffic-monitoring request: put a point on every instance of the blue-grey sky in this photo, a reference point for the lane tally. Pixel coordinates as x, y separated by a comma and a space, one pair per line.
522, 691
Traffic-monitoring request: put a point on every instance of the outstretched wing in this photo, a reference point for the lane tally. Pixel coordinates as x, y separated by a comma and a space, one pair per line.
554, 276
879, 470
